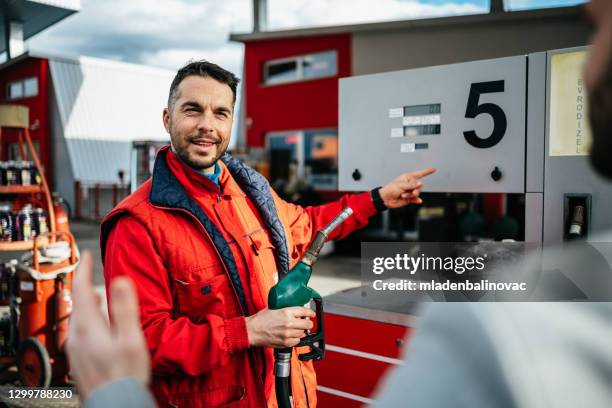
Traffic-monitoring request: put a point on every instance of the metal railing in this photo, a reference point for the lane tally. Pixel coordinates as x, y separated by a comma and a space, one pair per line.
94, 201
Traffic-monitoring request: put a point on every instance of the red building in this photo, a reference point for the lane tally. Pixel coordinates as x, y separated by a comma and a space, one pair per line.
28, 84
291, 101
304, 71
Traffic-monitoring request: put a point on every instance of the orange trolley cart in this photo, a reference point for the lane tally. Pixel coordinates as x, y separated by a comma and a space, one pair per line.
37, 287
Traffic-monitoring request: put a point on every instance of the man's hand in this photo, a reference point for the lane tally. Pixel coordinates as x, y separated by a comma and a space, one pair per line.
99, 354
405, 189
279, 328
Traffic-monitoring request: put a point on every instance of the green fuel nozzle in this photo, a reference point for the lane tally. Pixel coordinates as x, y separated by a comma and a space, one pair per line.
293, 290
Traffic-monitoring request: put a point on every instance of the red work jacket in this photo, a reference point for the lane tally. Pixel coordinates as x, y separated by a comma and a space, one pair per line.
191, 317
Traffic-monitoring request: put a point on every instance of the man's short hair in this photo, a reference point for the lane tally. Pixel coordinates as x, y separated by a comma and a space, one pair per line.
203, 69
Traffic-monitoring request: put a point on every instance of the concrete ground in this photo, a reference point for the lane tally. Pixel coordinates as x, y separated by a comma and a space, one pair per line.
331, 273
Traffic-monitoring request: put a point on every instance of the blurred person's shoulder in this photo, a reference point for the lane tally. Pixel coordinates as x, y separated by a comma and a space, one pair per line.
549, 353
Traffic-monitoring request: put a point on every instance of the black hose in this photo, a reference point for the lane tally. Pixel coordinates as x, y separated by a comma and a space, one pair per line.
282, 371
282, 392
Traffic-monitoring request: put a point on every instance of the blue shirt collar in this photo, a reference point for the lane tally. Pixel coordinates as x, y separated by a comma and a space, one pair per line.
214, 177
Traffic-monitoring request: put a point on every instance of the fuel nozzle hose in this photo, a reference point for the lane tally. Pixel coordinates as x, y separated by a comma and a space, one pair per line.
293, 290
282, 370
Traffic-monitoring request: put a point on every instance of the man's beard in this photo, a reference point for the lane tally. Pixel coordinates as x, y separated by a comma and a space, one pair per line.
199, 165
600, 115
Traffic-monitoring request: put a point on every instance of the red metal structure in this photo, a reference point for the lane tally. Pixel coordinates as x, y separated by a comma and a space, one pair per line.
369, 358
45, 292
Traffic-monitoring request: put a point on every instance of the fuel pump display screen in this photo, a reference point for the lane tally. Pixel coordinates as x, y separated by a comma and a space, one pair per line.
421, 110
420, 120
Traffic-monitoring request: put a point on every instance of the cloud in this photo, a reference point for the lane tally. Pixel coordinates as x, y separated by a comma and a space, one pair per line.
296, 13
138, 30
229, 57
167, 33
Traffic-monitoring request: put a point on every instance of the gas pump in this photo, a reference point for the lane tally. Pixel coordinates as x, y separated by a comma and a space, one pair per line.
514, 126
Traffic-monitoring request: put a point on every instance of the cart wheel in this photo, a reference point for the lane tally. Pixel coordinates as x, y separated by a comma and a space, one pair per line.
33, 363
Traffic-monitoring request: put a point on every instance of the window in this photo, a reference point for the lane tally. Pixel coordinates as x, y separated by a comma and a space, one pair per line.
14, 151
320, 65
30, 87
285, 156
280, 72
15, 90
24, 88
310, 155
300, 68
321, 159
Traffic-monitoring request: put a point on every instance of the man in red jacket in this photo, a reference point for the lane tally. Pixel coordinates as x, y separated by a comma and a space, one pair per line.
204, 240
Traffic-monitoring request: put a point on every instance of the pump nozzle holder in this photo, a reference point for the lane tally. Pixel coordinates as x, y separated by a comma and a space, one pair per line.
577, 221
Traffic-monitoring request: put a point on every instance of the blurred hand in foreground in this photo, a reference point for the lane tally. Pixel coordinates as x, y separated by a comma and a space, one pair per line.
99, 354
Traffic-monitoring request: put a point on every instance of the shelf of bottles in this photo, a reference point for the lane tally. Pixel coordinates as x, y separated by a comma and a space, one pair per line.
19, 226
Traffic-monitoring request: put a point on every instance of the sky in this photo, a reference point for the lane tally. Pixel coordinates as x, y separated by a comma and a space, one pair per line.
168, 33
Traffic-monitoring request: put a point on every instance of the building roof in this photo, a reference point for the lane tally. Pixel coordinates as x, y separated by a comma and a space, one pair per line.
36, 15
103, 106
438, 22
107, 100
